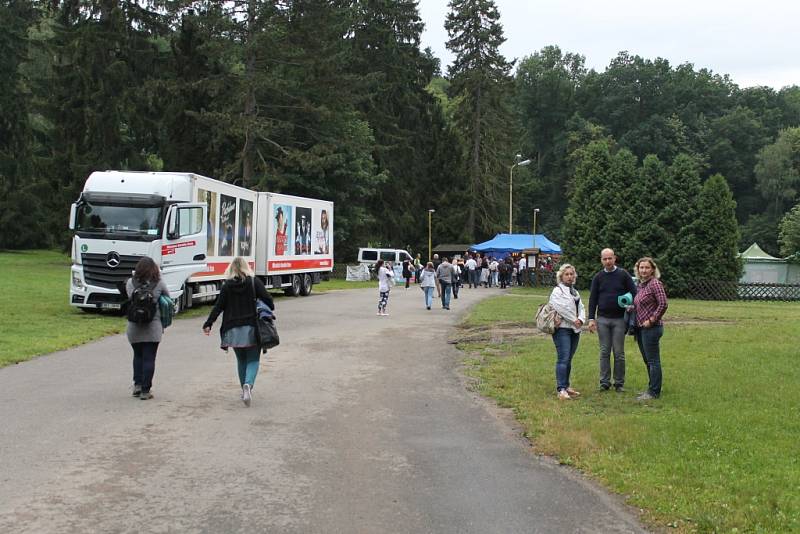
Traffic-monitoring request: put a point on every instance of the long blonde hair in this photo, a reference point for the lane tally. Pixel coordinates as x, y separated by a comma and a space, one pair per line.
238, 268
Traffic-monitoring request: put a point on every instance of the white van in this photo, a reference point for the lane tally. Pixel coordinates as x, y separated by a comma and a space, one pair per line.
371, 255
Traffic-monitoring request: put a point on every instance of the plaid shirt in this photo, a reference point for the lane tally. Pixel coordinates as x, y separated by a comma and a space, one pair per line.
650, 302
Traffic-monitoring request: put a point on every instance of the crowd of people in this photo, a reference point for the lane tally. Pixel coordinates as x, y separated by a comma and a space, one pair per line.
620, 305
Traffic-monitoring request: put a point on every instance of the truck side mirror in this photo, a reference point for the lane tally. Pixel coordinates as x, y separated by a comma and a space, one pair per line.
72, 211
172, 223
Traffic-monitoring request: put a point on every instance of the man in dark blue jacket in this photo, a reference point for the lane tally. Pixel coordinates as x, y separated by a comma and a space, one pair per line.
606, 317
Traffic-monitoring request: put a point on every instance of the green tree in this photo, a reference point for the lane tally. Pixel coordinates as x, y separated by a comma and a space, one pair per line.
480, 85
790, 232
778, 170
583, 234
22, 219
709, 243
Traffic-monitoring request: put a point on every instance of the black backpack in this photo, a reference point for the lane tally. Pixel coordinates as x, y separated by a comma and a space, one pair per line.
142, 304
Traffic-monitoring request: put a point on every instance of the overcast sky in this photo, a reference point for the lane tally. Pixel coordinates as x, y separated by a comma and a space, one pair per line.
755, 42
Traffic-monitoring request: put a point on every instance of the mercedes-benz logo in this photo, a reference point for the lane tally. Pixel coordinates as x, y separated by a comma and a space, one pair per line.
112, 259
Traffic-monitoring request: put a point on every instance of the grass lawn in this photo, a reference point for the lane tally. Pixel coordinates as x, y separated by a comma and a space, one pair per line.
718, 452
36, 317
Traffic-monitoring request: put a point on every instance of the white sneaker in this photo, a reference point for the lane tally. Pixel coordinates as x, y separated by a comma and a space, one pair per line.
563, 395
246, 394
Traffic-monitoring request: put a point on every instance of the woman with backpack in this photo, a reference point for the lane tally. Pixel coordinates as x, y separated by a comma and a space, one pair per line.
569, 319
236, 302
144, 332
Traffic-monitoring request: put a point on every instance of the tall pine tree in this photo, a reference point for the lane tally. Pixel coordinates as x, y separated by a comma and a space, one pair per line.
480, 87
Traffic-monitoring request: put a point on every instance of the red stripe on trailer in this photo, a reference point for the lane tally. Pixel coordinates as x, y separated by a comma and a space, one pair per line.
218, 268
290, 265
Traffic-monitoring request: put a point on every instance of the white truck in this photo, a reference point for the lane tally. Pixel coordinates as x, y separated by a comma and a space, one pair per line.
192, 226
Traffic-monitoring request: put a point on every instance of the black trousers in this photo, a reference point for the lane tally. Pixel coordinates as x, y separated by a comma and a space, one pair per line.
144, 363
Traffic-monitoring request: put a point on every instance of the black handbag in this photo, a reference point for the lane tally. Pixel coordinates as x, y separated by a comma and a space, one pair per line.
266, 331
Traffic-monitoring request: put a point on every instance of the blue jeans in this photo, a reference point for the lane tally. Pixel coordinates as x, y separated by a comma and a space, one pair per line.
649, 345
247, 360
428, 296
566, 342
445, 294
144, 364
473, 278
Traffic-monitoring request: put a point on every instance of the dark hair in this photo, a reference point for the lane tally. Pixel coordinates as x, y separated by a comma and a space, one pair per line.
379, 264
146, 271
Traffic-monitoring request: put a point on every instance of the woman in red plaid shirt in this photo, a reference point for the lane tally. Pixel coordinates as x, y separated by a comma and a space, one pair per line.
650, 304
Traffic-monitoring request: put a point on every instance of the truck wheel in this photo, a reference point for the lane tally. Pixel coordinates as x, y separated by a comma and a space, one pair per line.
294, 290
308, 283
186, 298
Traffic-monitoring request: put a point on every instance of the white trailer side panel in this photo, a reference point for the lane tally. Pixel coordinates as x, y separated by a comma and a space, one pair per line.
299, 235
231, 229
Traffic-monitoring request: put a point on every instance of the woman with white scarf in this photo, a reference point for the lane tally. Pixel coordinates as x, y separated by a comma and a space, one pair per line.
570, 316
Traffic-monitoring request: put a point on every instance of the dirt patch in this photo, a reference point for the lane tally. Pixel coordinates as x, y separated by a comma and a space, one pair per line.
507, 332
495, 334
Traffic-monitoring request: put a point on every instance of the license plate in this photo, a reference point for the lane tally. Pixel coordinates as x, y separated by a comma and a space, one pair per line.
110, 306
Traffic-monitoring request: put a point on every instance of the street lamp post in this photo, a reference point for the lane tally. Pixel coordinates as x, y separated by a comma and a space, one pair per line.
535, 211
518, 163
430, 212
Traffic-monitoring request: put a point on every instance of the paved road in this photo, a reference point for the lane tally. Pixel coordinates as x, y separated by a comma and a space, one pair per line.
359, 424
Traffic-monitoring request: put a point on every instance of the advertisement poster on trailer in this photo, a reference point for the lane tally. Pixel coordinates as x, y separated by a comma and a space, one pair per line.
245, 228
210, 199
227, 220
283, 225
322, 233
302, 239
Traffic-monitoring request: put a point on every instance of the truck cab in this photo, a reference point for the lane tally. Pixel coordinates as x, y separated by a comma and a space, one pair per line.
121, 217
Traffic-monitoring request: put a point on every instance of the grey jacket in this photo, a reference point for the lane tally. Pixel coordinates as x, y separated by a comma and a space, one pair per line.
151, 332
445, 273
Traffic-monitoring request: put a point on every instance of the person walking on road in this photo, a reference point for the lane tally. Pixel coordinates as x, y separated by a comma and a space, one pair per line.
385, 282
570, 316
606, 317
236, 302
472, 271
650, 304
407, 271
456, 277
444, 274
428, 283
144, 289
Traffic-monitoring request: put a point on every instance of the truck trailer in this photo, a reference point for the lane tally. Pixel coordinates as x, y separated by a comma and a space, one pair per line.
192, 226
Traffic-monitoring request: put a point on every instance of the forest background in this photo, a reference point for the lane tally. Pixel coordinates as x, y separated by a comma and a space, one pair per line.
335, 99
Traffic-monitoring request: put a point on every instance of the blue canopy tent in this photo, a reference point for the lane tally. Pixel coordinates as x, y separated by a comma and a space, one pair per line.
504, 244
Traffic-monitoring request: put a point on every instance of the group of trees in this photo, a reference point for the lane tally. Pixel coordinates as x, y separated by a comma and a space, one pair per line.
335, 99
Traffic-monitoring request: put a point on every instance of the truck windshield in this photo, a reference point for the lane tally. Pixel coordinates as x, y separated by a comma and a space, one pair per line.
118, 222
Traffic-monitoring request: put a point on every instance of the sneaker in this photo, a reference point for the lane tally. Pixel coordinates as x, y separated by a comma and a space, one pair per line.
645, 396
619, 389
563, 395
379, 313
246, 395
385, 314
145, 395
572, 393
605, 387
137, 390
429, 307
